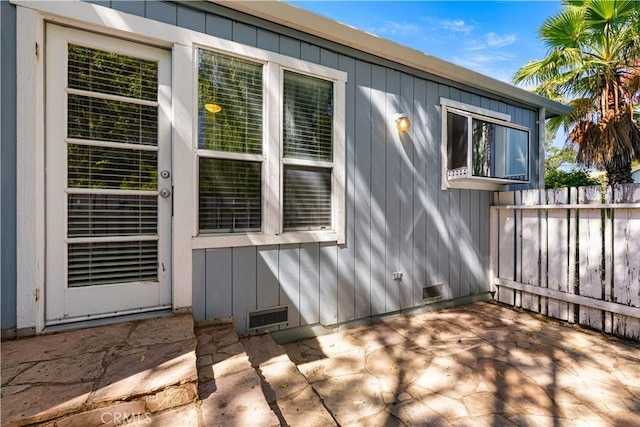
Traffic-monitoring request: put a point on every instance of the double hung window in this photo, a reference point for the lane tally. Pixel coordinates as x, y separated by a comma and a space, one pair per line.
483, 146
270, 148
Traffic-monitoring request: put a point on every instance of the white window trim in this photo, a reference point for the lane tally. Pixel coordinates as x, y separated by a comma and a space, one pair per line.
474, 182
31, 18
273, 162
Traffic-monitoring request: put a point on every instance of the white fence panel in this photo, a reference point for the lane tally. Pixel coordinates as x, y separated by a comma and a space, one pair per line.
570, 254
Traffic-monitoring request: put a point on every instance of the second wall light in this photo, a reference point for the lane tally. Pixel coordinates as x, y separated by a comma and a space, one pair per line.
402, 122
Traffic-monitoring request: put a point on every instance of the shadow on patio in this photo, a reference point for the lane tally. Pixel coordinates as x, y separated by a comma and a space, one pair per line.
480, 364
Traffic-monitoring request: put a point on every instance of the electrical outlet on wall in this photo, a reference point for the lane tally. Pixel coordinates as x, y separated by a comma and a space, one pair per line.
397, 275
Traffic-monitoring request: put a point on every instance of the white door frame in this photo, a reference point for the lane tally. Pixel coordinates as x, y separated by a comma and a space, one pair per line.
63, 303
31, 18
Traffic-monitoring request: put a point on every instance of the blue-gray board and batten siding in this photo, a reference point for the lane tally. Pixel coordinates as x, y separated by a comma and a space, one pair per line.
397, 216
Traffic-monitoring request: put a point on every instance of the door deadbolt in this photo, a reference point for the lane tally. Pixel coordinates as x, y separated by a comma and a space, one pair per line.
165, 192
165, 174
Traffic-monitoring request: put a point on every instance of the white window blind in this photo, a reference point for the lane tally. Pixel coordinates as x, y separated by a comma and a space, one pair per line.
230, 195
112, 155
307, 198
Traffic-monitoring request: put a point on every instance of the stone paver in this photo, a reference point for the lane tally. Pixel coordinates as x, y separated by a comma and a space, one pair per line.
84, 375
286, 389
475, 365
228, 386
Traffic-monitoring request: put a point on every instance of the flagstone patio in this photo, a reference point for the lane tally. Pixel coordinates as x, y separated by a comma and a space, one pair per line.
477, 365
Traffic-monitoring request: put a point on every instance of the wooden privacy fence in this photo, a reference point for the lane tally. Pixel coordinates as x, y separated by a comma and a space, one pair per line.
571, 254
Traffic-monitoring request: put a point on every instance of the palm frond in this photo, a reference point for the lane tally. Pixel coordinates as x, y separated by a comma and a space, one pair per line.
563, 30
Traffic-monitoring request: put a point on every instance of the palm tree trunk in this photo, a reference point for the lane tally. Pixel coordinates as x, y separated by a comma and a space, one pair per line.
620, 175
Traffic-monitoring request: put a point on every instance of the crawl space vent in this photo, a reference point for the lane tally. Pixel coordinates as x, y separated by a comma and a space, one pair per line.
435, 291
265, 318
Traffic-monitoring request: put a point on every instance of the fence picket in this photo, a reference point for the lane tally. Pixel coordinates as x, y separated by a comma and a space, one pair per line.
507, 245
626, 259
590, 254
530, 249
558, 256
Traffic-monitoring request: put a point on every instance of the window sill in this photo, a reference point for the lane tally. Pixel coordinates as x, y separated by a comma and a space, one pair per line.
259, 239
477, 183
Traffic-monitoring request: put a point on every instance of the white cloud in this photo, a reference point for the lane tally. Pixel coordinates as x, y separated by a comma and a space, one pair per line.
491, 41
497, 40
396, 28
494, 65
457, 25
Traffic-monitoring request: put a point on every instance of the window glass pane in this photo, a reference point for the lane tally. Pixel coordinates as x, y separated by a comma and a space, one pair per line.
457, 137
307, 198
229, 103
499, 151
308, 117
111, 73
517, 159
113, 121
484, 138
230, 196
114, 168
98, 215
102, 263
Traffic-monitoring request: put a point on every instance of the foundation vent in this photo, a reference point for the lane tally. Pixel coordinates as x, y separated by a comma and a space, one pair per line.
433, 291
271, 317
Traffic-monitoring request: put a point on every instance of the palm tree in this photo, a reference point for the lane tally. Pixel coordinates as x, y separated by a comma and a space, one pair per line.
593, 64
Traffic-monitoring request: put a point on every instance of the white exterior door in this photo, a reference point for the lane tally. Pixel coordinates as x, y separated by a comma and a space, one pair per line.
108, 176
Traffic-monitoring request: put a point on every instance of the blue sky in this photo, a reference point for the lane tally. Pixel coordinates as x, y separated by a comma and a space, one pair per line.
491, 37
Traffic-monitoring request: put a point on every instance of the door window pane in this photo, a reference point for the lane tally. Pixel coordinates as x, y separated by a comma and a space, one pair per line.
100, 215
103, 263
112, 121
111, 168
110, 73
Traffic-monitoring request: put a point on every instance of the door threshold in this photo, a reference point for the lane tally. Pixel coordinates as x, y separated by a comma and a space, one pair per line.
110, 319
